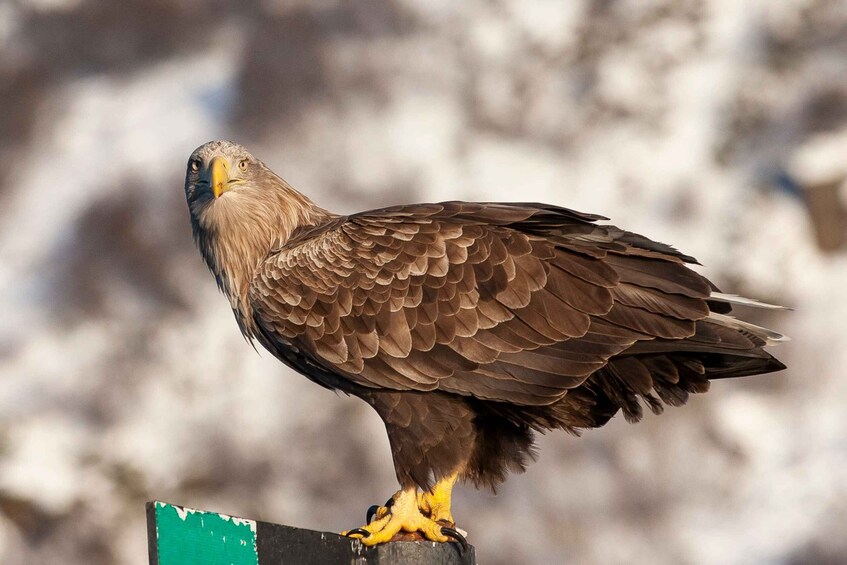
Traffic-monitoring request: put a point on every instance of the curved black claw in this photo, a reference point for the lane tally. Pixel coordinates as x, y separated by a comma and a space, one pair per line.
371, 513
452, 533
360, 531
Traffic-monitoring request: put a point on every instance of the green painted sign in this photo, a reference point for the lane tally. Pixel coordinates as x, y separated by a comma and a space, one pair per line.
177, 535
193, 537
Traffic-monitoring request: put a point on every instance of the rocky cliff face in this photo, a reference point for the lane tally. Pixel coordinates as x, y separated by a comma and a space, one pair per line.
122, 374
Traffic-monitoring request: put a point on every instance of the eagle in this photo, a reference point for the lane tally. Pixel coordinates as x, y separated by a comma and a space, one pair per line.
467, 326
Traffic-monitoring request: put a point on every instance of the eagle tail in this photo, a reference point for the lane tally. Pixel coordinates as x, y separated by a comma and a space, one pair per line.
665, 372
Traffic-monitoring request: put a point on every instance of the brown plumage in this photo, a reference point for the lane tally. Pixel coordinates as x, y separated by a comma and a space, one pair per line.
467, 326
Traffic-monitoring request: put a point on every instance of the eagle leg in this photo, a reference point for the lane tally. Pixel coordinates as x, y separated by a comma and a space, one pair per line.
403, 515
435, 503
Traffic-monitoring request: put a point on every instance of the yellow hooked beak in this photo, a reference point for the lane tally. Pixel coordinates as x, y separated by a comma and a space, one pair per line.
218, 176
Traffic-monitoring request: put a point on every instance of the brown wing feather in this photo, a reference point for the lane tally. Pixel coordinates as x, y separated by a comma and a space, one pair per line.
510, 303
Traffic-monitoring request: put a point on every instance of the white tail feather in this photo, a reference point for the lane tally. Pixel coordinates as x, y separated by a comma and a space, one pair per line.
742, 301
770, 337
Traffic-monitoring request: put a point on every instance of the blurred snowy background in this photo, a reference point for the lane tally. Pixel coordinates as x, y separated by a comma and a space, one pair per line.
718, 126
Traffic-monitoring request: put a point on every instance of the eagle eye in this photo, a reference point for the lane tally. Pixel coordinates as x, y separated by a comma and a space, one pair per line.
242, 164
194, 165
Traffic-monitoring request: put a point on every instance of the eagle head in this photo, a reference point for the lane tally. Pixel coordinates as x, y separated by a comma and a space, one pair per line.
240, 210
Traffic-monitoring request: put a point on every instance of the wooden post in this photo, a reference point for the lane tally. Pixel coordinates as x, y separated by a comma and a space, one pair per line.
183, 536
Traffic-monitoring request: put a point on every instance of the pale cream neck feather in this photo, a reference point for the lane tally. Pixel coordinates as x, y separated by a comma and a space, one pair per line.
238, 231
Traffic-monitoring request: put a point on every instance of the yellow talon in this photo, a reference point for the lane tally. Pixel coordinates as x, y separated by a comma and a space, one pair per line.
402, 516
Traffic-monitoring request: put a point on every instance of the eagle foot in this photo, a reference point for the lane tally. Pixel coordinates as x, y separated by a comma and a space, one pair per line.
403, 515
436, 508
